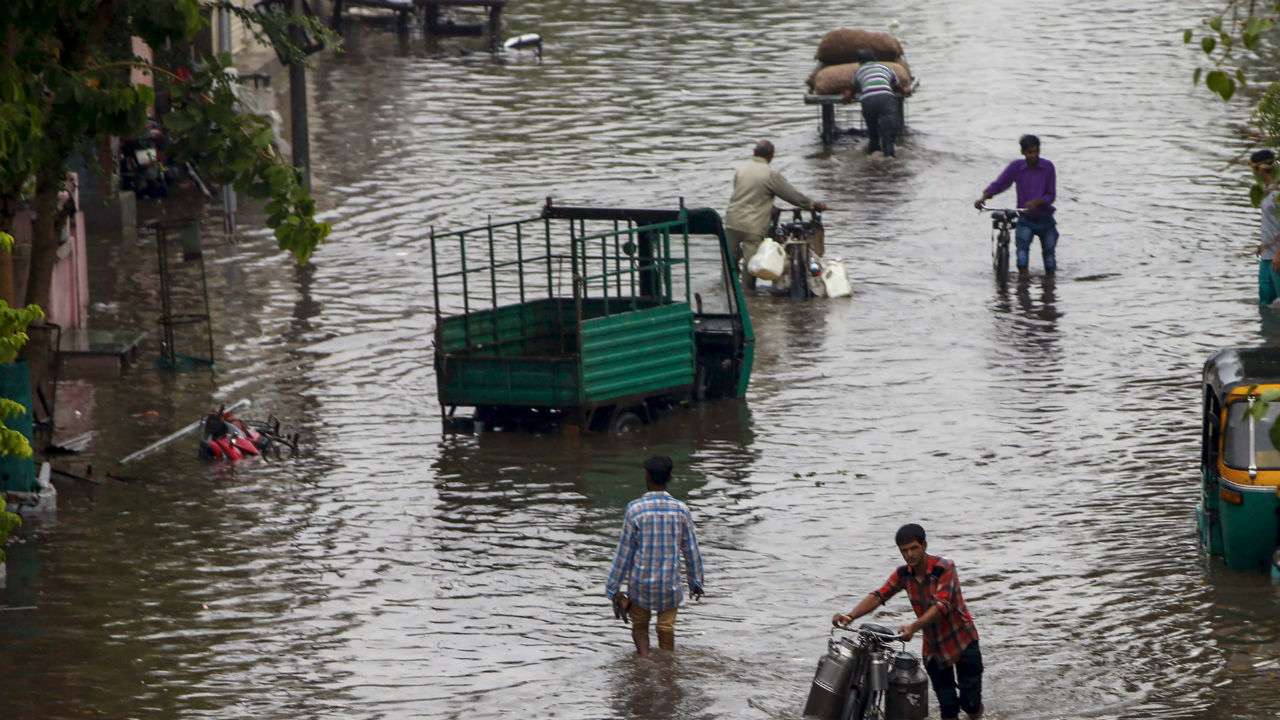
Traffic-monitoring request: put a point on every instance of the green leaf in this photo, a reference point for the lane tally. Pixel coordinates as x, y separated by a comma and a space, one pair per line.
1186, 36
1208, 44
1216, 23
1221, 83
1195, 76
1258, 410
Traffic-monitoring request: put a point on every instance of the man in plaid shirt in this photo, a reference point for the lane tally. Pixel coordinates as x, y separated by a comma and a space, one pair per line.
656, 531
951, 652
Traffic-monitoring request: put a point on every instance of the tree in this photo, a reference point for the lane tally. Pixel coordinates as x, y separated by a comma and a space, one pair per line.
1230, 41
64, 87
13, 336
8, 521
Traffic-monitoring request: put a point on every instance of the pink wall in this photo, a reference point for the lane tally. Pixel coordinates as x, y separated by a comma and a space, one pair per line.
69, 297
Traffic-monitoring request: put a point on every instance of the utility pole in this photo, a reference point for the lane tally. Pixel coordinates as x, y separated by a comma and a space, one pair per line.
298, 100
228, 192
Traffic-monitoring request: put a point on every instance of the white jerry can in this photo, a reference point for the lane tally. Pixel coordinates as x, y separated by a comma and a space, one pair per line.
836, 280
769, 261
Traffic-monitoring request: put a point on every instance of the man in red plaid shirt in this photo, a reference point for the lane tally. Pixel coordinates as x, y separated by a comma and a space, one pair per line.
951, 652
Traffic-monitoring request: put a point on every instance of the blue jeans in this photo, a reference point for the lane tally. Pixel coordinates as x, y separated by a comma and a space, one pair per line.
958, 686
1047, 230
1268, 283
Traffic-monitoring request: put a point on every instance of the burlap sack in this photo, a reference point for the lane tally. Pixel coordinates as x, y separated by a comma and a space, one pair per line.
837, 79
842, 45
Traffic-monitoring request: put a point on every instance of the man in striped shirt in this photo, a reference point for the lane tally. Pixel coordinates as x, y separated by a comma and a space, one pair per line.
951, 653
877, 89
656, 531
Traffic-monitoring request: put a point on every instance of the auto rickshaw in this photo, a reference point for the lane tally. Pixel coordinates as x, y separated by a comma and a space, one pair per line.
1238, 515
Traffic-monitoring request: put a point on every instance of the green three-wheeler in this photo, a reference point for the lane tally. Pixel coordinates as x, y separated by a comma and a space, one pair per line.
1238, 515
587, 318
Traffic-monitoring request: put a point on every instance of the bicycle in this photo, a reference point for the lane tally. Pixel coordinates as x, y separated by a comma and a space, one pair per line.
1003, 221
865, 677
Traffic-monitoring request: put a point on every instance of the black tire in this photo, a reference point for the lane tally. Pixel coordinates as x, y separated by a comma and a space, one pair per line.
625, 421
1002, 260
798, 267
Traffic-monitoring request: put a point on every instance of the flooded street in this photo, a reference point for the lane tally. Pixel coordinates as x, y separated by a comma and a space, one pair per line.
1047, 436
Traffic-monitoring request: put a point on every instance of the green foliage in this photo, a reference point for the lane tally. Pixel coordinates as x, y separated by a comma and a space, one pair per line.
13, 329
8, 523
1240, 24
13, 337
64, 85
1228, 40
1266, 116
1221, 83
237, 148
1258, 410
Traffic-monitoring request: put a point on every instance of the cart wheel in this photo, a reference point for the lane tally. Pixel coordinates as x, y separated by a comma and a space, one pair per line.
625, 421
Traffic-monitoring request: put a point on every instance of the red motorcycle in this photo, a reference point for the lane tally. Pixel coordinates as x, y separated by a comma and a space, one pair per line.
228, 437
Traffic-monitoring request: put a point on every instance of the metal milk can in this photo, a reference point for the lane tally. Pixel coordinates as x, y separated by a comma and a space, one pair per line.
908, 695
831, 682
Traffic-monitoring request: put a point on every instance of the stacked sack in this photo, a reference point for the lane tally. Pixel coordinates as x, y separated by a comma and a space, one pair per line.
838, 60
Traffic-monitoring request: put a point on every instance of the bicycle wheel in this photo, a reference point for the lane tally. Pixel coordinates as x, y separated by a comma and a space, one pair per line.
1002, 257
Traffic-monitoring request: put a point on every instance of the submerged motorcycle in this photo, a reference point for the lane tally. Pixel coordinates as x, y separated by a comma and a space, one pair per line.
865, 676
228, 437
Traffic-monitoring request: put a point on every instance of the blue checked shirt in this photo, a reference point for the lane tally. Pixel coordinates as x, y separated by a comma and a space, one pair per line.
656, 531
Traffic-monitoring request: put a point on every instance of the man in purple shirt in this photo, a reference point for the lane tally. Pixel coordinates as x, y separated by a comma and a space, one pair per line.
1037, 185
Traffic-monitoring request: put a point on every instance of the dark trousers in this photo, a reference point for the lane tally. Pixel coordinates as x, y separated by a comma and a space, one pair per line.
965, 677
880, 113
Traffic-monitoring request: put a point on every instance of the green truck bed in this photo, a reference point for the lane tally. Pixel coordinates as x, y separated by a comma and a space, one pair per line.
535, 354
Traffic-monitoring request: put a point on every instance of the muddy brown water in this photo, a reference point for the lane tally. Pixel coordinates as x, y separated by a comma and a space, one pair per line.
1046, 436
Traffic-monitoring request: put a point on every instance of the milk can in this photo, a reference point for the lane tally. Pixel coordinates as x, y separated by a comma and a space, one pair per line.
908, 694
831, 682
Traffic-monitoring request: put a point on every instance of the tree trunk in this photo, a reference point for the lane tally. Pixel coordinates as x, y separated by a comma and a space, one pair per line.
44, 242
39, 353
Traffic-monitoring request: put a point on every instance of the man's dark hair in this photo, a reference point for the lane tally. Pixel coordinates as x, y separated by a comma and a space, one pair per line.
866, 56
909, 533
764, 149
1262, 156
658, 468
1026, 142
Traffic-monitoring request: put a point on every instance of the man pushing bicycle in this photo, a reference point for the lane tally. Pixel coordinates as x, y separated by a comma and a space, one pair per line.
1036, 182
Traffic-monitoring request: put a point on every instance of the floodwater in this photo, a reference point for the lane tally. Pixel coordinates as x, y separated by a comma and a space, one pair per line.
1047, 435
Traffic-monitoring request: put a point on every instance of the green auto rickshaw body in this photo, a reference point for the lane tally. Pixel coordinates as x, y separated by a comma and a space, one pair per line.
1238, 514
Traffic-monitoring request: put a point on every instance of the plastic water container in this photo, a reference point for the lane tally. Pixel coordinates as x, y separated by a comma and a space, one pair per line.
769, 261
836, 280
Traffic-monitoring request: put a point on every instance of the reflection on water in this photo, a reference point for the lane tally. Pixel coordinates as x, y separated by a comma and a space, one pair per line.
1045, 433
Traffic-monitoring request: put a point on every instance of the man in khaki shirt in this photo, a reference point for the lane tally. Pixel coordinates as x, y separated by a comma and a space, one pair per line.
755, 185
